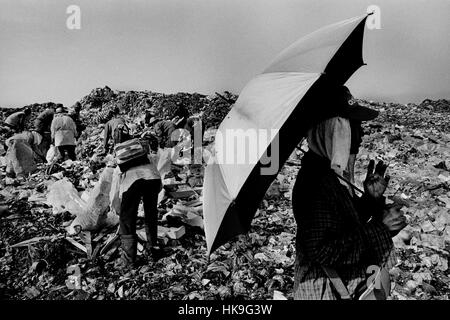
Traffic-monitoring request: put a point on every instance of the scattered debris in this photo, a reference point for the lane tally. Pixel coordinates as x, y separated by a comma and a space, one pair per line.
36, 248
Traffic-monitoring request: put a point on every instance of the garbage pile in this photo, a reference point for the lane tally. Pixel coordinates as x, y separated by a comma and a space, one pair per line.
441, 105
428, 114
102, 101
415, 141
65, 207
57, 219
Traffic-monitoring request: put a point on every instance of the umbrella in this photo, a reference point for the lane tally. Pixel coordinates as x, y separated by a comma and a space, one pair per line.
274, 110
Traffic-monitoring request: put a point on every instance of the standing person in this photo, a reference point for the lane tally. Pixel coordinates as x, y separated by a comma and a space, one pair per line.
136, 178
42, 125
75, 115
44, 120
336, 231
168, 136
116, 129
64, 133
150, 112
17, 120
163, 130
181, 116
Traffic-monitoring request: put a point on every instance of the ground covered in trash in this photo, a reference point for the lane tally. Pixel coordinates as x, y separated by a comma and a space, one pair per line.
39, 259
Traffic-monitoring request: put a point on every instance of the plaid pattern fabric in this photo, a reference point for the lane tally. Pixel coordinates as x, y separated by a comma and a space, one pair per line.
311, 282
129, 150
332, 231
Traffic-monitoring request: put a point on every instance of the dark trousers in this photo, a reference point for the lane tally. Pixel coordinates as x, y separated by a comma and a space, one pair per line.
46, 141
147, 190
70, 152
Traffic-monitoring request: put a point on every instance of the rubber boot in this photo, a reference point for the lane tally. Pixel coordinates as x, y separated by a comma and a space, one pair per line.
153, 251
128, 251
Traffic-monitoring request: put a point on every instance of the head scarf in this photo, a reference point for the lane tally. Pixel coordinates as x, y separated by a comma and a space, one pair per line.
331, 139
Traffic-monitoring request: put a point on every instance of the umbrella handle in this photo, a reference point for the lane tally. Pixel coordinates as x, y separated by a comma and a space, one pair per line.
349, 183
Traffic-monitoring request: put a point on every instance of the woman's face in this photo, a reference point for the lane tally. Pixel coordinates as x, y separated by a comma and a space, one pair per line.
354, 148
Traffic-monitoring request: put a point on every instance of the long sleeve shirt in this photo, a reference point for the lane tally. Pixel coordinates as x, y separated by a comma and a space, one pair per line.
16, 120
163, 131
334, 230
63, 130
44, 120
110, 126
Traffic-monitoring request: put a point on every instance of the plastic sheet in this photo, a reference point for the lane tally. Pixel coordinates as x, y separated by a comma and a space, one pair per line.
63, 197
52, 154
91, 215
96, 211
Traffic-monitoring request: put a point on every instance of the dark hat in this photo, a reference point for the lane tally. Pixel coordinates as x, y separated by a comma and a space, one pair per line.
77, 106
347, 107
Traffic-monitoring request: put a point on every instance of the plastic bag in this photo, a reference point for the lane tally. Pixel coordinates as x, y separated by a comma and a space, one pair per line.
63, 197
52, 154
115, 192
96, 213
91, 215
20, 158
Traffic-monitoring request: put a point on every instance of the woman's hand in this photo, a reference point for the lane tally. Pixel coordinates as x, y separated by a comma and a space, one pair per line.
376, 181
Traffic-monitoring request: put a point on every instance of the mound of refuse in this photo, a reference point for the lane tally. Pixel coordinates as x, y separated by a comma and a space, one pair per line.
58, 219
101, 103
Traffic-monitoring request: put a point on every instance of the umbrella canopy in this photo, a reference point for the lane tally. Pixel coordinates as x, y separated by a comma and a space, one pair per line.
272, 114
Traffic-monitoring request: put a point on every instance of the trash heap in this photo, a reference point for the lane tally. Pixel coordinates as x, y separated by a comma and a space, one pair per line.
102, 101
415, 141
57, 220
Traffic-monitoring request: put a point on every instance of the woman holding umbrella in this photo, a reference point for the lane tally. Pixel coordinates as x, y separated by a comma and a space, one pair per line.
339, 235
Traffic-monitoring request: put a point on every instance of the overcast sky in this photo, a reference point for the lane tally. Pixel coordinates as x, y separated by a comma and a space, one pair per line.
209, 45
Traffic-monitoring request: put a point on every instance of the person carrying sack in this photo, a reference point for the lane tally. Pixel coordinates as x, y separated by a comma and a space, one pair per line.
340, 238
136, 178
